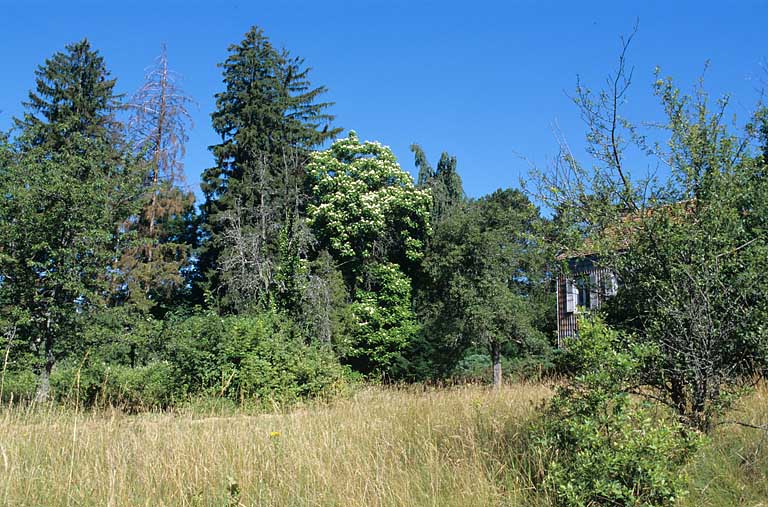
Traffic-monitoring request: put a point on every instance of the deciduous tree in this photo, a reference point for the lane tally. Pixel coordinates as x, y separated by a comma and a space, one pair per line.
369, 215
485, 263
689, 248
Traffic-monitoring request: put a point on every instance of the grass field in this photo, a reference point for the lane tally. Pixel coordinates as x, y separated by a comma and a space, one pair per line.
384, 447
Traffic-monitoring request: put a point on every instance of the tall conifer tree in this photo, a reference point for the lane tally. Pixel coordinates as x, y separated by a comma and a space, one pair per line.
445, 183
268, 118
158, 128
73, 101
66, 198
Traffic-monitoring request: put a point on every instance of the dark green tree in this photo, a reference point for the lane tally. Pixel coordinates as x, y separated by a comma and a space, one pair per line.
485, 264
444, 183
73, 101
268, 118
67, 194
429, 355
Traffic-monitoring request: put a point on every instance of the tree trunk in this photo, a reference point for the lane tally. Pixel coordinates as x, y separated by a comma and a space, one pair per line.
44, 382
496, 358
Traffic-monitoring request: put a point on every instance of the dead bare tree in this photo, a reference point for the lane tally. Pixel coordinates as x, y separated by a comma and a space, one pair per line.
158, 127
247, 270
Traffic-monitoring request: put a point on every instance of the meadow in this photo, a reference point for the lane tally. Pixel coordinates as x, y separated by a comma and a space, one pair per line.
461, 446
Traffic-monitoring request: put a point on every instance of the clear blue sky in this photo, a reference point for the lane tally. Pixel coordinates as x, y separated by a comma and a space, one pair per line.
482, 80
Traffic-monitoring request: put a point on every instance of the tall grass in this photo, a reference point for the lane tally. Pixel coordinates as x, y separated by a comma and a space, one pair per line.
384, 447
732, 470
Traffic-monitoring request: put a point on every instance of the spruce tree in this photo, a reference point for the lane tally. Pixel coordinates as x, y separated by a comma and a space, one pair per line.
68, 193
268, 118
73, 100
444, 183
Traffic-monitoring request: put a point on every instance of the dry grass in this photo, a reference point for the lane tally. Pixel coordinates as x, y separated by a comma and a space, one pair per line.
457, 447
384, 447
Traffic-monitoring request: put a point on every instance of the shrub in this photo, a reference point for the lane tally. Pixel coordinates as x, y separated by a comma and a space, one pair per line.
18, 386
477, 367
605, 447
240, 358
95, 383
246, 357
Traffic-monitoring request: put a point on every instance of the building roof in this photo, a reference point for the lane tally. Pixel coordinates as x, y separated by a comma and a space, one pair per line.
618, 236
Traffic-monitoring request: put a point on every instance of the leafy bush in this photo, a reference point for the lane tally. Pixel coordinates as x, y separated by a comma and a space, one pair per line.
240, 358
95, 383
477, 367
244, 357
385, 322
18, 386
606, 448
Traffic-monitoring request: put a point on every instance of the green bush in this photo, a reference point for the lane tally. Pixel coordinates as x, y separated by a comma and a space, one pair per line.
95, 383
18, 386
606, 447
476, 366
250, 357
254, 359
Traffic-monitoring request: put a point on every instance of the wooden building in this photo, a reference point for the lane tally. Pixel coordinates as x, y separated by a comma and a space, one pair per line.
585, 286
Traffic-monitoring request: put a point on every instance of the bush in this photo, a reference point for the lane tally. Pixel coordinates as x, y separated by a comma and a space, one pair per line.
477, 367
247, 357
95, 383
18, 386
239, 358
604, 447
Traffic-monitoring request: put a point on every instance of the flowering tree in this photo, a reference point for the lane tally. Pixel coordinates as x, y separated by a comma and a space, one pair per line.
367, 212
365, 207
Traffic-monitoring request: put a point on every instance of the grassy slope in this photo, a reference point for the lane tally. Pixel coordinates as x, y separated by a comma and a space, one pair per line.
461, 447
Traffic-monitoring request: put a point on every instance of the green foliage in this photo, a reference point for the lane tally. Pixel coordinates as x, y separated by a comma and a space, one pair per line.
94, 383
242, 359
385, 321
67, 190
483, 269
325, 314
444, 183
476, 366
369, 215
732, 469
268, 118
689, 249
73, 100
365, 207
249, 357
606, 448
19, 386
122, 335
696, 270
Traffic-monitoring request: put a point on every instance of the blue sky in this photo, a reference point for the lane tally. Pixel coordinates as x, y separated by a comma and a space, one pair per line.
484, 81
